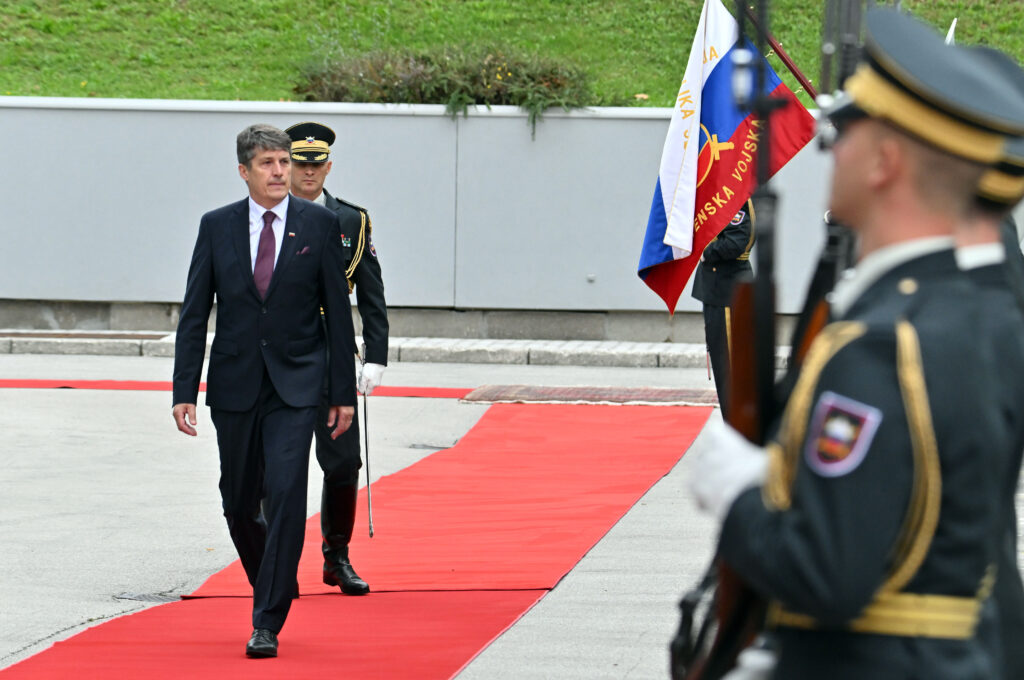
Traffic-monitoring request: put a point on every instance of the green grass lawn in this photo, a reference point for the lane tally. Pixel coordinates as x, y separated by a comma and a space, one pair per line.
256, 49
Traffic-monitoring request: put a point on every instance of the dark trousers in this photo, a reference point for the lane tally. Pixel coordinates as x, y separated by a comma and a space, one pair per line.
340, 462
716, 334
264, 468
338, 458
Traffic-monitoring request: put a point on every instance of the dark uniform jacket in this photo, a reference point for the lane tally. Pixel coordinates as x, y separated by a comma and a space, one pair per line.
363, 272
283, 332
726, 260
1000, 287
883, 481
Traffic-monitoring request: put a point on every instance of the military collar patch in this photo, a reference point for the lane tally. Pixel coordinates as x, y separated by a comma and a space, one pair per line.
738, 218
840, 434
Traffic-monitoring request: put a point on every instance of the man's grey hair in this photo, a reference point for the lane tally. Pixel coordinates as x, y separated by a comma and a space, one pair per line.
260, 136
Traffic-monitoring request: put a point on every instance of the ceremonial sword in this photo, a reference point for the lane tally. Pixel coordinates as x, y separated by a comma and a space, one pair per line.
366, 447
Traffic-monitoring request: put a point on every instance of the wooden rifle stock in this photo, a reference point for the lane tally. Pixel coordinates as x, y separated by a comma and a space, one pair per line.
738, 610
750, 399
750, 407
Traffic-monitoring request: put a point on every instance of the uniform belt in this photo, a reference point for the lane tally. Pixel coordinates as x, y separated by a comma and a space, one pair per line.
906, 614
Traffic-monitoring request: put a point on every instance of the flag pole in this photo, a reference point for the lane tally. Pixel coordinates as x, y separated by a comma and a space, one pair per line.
789, 63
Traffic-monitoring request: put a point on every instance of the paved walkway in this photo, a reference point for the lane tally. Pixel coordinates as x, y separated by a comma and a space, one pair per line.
107, 510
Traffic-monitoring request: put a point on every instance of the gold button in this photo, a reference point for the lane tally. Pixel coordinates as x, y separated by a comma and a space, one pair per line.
907, 286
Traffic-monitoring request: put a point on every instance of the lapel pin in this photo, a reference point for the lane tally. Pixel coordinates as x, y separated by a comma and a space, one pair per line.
291, 233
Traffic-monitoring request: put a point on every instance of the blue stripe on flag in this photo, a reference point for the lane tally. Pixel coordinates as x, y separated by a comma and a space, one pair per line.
654, 250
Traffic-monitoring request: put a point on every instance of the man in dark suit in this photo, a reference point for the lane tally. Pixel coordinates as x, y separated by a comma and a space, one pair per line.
272, 261
339, 458
724, 262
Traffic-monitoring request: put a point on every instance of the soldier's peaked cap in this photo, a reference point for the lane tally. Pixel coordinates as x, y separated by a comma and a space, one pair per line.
311, 142
1003, 184
942, 94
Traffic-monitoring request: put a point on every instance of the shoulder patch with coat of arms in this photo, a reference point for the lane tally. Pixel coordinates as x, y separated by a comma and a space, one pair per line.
738, 218
840, 433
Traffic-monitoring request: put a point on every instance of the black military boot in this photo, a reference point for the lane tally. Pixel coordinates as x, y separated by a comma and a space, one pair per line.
337, 517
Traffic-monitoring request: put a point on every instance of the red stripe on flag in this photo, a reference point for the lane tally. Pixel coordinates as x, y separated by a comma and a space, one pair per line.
728, 184
733, 178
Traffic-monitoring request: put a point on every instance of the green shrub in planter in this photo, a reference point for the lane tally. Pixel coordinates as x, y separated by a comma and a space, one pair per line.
455, 78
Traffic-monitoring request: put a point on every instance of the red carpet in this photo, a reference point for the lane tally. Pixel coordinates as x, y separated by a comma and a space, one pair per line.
541, 482
395, 636
492, 522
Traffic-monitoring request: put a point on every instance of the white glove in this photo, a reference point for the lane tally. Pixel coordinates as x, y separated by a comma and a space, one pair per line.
369, 378
753, 664
725, 465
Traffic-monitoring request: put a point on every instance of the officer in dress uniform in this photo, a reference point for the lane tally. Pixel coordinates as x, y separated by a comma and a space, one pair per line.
339, 458
870, 521
724, 262
988, 251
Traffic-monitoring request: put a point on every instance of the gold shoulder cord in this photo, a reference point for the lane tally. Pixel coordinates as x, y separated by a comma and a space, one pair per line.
750, 241
360, 247
926, 499
784, 456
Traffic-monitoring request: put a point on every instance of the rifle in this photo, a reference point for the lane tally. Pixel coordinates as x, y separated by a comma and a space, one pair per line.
840, 53
836, 257
735, 614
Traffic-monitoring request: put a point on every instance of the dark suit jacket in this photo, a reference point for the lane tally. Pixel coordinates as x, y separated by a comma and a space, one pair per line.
283, 332
365, 276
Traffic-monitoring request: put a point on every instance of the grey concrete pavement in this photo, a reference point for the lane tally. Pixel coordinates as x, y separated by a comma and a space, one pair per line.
105, 501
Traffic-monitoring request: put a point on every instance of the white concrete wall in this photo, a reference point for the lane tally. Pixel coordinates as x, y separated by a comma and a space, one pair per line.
101, 199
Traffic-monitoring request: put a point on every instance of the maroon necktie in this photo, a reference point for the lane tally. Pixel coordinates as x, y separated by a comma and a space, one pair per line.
264, 268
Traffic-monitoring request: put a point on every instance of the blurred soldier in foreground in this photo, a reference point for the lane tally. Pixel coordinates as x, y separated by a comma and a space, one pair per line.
870, 520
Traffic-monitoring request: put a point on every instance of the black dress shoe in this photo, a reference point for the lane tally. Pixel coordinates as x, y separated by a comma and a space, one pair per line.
342, 574
262, 644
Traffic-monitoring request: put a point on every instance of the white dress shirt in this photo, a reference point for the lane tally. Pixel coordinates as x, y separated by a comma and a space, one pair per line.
256, 226
980, 255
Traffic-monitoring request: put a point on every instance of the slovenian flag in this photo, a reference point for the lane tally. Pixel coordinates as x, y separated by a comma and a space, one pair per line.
708, 166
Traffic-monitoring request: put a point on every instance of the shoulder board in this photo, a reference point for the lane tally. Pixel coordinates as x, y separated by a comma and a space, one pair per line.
351, 205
